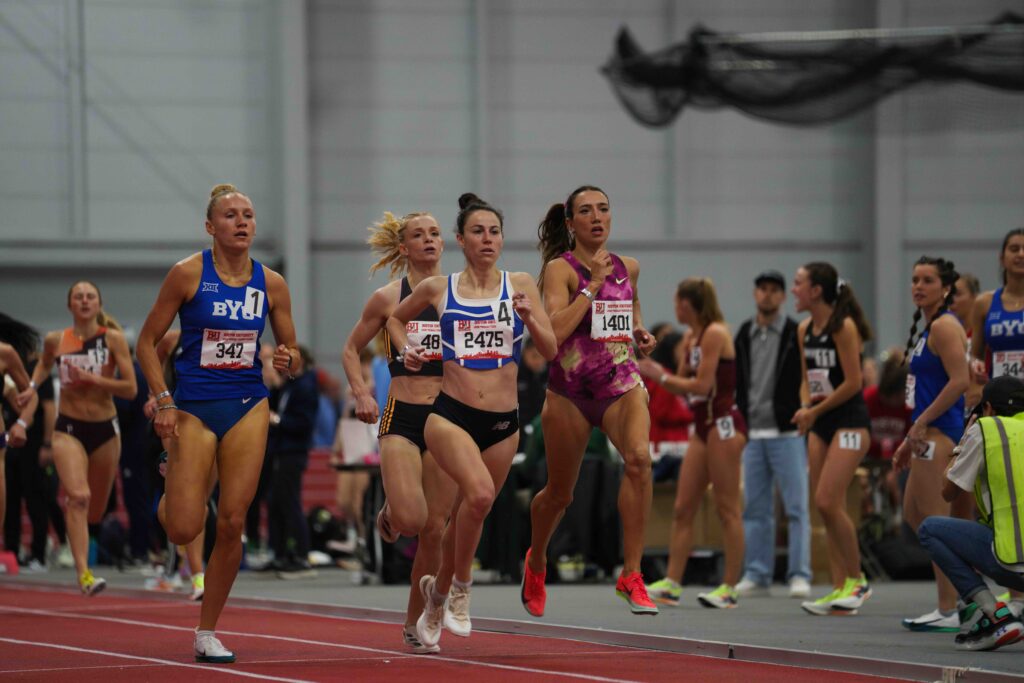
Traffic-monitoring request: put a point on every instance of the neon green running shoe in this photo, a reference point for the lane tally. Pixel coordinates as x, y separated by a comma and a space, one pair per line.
823, 605
723, 597
666, 591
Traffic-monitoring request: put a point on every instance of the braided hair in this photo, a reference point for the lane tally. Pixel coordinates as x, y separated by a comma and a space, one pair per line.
948, 276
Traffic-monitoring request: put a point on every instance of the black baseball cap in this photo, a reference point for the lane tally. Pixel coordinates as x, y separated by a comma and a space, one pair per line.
1005, 393
771, 276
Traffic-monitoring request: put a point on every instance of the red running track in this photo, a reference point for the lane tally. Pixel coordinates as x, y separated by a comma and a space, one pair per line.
50, 635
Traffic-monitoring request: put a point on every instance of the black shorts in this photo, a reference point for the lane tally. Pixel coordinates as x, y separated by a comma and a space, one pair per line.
486, 428
91, 435
405, 420
851, 415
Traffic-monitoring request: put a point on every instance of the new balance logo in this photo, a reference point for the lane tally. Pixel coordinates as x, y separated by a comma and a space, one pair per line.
210, 286
501, 426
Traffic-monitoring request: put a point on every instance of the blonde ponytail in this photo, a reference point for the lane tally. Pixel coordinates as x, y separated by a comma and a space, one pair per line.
385, 239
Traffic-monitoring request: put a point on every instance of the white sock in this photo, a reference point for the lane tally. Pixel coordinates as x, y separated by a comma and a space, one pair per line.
203, 633
464, 585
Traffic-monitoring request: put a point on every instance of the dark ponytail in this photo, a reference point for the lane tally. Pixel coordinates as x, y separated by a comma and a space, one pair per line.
468, 203
839, 294
948, 276
23, 338
553, 234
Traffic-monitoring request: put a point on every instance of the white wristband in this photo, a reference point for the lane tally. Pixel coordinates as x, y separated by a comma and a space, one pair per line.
663, 378
24, 425
32, 385
587, 293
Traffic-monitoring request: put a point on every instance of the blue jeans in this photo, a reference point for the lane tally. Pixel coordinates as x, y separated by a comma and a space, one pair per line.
963, 551
766, 462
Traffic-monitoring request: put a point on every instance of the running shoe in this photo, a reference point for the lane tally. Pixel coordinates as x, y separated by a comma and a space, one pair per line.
456, 612
209, 650
969, 615
91, 585
821, 607
666, 591
198, 587
532, 591
163, 583
428, 626
990, 634
387, 534
853, 594
934, 621
413, 642
752, 589
723, 597
799, 587
631, 588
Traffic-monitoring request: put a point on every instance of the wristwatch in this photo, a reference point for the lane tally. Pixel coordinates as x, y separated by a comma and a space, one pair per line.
587, 293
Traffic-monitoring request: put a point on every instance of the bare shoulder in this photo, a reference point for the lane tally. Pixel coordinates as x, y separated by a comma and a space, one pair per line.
384, 299
718, 330
273, 278
522, 281
632, 265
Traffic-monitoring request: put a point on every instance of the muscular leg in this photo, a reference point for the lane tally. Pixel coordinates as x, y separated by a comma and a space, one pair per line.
479, 477
923, 498
239, 460
566, 433
73, 469
439, 491
190, 458
830, 497
816, 452
693, 481
627, 423
724, 472
401, 469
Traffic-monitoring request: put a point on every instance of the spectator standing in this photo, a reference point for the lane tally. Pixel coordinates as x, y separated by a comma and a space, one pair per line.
768, 377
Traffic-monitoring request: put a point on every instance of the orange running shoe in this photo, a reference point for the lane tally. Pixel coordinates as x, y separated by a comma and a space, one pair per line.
631, 588
532, 591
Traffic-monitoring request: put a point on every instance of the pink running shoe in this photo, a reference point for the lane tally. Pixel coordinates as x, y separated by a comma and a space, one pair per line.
532, 591
631, 588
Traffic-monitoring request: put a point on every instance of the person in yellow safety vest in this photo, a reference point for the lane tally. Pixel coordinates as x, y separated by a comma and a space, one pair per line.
989, 461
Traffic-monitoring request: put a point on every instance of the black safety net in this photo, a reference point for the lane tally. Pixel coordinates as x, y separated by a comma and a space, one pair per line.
810, 78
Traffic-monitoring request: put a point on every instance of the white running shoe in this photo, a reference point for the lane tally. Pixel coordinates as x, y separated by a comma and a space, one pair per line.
428, 626
209, 650
799, 587
456, 612
751, 589
934, 621
413, 642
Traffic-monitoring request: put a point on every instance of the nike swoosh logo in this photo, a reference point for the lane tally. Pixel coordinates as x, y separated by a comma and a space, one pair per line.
246, 400
620, 281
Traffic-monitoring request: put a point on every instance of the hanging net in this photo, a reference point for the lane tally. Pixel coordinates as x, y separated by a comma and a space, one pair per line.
810, 78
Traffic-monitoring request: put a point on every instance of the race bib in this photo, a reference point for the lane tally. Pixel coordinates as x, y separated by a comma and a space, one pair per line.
478, 339
611, 321
1008, 363
426, 334
92, 361
819, 384
928, 453
849, 441
726, 428
228, 349
911, 386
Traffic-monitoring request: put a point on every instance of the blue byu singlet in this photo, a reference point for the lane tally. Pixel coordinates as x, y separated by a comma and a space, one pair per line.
927, 378
1004, 336
481, 334
220, 338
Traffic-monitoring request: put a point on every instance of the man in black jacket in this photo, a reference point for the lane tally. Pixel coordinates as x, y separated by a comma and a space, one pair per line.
768, 377
294, 407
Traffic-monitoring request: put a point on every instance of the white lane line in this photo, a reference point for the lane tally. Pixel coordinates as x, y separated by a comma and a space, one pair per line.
78, 668
304, 641
152, 660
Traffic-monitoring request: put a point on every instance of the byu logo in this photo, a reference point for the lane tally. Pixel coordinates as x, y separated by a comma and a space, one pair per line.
210, 286
231, 309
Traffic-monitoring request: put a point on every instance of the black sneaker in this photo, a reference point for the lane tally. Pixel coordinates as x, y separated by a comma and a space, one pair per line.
989, 634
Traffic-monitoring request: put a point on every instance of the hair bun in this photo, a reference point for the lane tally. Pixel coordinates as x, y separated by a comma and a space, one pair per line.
468, 199
222, 188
